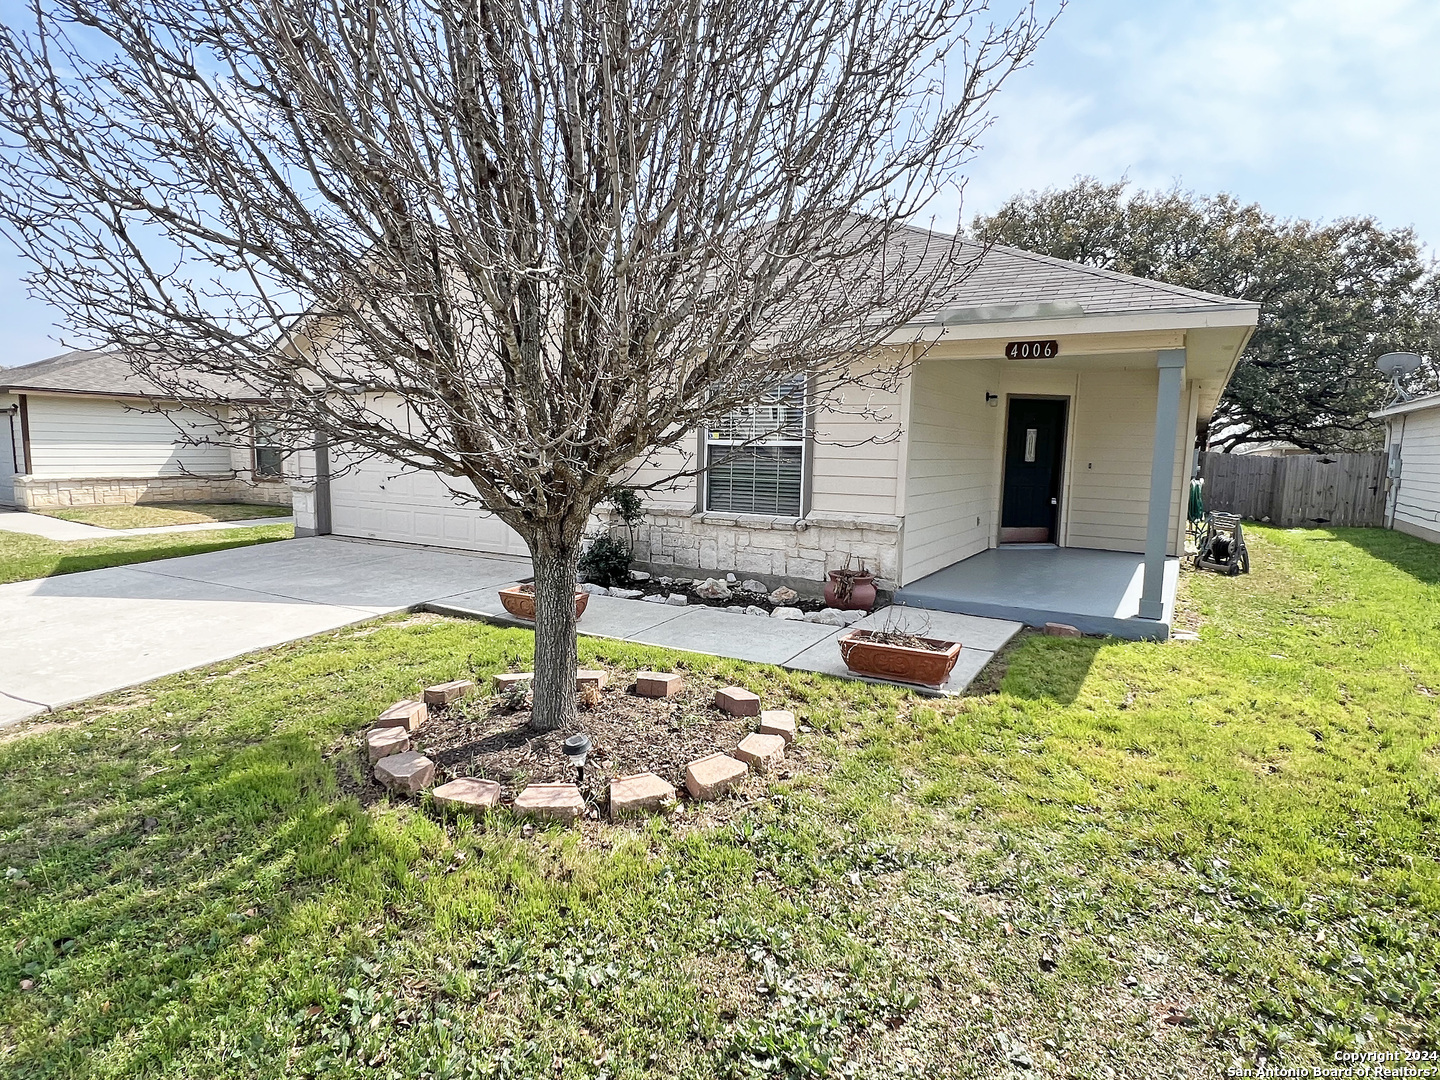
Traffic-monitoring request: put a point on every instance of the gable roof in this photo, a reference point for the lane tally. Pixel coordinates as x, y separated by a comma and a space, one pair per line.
1006, 275
84, 371
1000, 278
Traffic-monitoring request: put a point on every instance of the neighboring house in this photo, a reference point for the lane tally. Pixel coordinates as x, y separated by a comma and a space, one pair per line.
82, 429
1271, 449
1051, 405
1412, 445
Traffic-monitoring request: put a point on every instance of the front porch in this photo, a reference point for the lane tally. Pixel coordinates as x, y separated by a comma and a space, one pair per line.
1097, 592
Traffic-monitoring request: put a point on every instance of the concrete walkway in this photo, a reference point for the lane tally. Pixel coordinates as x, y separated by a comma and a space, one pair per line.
802, 646
67, 638
58, 529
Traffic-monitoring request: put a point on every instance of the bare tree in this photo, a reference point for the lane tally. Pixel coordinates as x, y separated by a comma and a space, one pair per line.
561, 232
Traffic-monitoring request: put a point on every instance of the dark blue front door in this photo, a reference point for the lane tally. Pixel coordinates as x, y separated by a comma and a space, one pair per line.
1034, 452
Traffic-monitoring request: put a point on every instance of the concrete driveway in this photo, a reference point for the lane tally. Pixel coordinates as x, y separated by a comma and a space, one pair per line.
64, 639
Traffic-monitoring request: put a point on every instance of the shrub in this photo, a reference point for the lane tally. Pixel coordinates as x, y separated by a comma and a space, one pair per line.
606, 562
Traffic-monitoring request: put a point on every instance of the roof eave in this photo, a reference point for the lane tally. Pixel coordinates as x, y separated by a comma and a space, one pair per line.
218, 399
1239, 314
1416, 404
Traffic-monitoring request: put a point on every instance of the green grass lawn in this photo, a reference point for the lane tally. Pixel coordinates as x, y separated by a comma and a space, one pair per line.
1130, 859
145, 516
23, 557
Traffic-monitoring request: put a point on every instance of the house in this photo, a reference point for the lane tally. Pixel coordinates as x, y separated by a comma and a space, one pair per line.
1031, 464
1412, 445
83, 429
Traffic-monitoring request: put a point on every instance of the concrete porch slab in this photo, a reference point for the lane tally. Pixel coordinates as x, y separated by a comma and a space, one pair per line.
1096, 591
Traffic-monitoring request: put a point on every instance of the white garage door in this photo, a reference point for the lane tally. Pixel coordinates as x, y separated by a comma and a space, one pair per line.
380, 501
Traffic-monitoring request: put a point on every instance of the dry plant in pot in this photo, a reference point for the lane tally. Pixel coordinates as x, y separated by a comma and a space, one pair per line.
519, 600
851, 587
896, 652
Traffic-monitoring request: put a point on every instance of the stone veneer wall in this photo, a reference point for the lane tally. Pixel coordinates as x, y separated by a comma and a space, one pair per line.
48, 493
797, 550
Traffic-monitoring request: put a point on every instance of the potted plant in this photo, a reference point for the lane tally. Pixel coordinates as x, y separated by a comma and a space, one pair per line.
851, 587
519, 600
896, 653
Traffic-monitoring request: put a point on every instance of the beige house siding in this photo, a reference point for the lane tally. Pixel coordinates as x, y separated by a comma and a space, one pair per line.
74, 437
856, 453
1114, 434
950, 500
1417, 502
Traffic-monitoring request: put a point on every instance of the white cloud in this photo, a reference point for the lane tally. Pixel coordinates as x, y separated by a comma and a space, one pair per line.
1310, 107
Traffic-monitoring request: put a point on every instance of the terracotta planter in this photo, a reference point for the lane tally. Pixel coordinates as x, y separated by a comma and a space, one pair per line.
927, 667
862, 593
520, 602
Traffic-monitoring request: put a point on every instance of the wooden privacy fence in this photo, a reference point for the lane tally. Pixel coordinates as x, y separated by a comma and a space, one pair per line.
1298, 490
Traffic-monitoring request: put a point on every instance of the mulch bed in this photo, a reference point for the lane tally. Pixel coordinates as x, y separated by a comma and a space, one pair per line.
481, 737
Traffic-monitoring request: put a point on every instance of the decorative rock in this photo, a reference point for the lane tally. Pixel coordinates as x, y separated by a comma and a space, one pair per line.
828, 617
794, 614
779, 722
642, 791
756, 609
655, 598
382, 742
712, 776
782, 595
730, 579
676, 599
762, 751
639, 575
591, 677
751, 585
594, 590
737, 701
467, 793
658, 684
446, 692
627, 594
404, 714
850, 616
408, 772
736, 609
712, 589
683, 582
1060, 629
560, 801
665, 581
510, 680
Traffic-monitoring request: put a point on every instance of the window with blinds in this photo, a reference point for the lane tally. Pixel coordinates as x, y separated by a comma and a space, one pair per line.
755, 457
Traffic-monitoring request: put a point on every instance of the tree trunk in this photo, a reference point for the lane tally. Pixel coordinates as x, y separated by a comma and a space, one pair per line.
553, 691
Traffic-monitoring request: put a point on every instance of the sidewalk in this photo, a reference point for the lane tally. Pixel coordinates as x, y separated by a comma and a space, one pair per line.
801, 646
58, 529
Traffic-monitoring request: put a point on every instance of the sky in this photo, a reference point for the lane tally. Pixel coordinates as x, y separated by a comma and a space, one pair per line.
1312, 108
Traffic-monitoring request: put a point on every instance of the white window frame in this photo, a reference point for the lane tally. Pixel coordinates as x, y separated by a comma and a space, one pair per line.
710, 439
260, 439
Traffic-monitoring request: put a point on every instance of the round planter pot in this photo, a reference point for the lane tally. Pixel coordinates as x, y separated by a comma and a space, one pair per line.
521, 603
862, 593
880, 660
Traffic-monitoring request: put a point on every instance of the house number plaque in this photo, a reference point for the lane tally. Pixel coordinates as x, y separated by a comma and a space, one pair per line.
1031, 350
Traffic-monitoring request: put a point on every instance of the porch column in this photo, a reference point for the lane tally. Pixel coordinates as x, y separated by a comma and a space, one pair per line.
1162, 480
